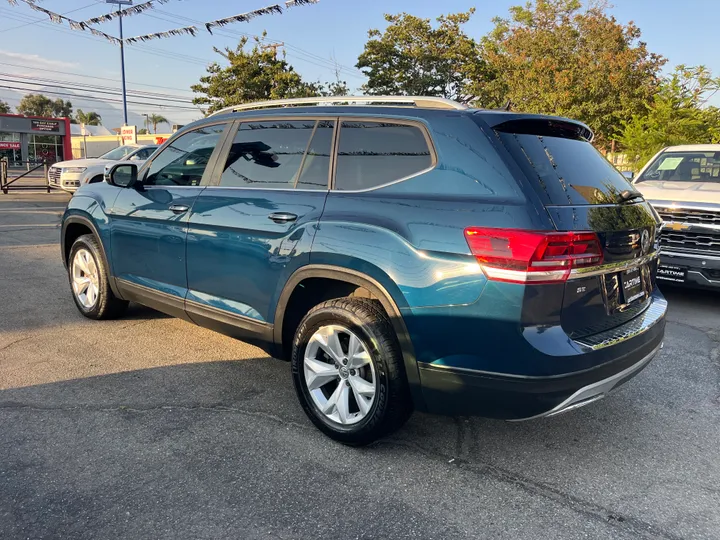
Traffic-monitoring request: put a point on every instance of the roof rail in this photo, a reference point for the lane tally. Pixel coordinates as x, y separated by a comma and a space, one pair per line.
424, 102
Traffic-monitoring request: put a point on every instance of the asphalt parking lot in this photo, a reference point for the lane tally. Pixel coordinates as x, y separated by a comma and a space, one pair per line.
149, 427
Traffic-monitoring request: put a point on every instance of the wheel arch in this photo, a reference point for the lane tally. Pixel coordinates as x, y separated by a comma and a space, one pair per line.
377, 290
73, 227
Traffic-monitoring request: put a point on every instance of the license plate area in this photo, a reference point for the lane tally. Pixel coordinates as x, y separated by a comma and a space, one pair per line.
626, 288
675, 274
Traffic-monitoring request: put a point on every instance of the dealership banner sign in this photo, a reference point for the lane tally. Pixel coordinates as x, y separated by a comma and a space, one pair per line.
45, 125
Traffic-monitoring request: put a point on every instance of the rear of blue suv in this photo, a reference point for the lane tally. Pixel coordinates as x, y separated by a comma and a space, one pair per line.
425, 256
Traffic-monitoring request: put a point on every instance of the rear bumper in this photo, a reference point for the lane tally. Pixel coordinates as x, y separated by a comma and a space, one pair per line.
703, 271
625, 352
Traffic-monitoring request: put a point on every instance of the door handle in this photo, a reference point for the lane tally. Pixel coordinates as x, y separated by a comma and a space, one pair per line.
179, 208
282, 217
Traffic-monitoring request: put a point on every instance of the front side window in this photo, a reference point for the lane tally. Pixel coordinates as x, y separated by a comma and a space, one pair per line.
280, 154
118, 153
684, 167
183, 162
142, 154
371, 154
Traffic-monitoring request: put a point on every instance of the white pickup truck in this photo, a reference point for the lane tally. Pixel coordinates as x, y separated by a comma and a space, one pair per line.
683, 185
70, 175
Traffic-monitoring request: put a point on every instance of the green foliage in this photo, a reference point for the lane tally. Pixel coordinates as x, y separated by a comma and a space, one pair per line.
143, 131
677, 115
254, 75
554, 57
40, 105
411, 57
5, 107
88, 118
156, 119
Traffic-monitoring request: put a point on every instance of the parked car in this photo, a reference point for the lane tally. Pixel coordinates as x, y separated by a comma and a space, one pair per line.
70, 175
402, 253
683, 184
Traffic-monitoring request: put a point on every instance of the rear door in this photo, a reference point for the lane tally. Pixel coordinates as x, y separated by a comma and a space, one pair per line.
253, 229
581, 190
149, 221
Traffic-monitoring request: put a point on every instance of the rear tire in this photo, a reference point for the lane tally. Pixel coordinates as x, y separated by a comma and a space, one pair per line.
348, 371
89, 281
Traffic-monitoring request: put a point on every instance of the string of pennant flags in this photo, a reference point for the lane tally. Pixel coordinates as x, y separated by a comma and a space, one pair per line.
140, 8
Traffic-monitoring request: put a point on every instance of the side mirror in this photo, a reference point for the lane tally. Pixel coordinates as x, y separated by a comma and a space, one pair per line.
629, 175
122, 175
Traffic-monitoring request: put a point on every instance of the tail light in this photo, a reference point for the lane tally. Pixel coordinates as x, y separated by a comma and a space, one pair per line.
519, 256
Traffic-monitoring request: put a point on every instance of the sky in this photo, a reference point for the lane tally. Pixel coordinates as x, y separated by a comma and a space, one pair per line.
316, 37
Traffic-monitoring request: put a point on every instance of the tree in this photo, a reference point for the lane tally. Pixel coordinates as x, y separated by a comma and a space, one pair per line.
677, 115
4, 107
88, 118
411, 57
554, 57
40, 105
156, 119
143, 131
254, 75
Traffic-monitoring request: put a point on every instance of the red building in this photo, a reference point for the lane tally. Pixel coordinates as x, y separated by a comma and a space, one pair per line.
34, 138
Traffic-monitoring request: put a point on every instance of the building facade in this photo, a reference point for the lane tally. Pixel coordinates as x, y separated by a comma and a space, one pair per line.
34, 139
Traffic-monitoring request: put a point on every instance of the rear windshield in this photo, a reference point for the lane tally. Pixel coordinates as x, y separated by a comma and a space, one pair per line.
565, 171
684, 167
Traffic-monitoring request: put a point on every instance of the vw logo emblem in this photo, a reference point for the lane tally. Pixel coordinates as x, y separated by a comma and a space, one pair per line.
645, 241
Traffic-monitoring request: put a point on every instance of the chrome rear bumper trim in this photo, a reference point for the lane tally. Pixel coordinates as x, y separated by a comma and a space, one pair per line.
642, 323
593, 392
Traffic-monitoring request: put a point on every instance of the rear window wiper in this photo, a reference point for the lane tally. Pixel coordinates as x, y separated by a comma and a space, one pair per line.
627, 196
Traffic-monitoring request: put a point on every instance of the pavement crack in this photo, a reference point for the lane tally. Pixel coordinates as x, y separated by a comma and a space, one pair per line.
8, 345
576, 504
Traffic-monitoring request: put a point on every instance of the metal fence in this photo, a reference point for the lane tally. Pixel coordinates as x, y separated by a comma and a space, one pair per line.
8, 177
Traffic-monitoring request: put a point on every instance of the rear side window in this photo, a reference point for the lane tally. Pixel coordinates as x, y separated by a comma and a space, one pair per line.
371, 154
280, 155
565, 171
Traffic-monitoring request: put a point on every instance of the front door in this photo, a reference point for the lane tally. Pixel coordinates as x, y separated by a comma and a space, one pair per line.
149, 221
248, 234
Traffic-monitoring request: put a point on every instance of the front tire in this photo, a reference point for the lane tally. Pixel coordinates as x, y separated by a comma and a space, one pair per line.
348, 371
89, 281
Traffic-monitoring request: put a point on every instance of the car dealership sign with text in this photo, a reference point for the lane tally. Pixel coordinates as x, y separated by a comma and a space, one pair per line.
128, 134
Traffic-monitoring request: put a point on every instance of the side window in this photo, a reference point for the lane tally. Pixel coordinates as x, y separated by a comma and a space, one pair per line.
280, 154
142, 155
371, 154
184, 161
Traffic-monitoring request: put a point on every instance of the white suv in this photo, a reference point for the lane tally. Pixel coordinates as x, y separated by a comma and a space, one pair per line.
70, 175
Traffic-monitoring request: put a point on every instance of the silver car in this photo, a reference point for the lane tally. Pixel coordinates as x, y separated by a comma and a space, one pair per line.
70, 175
683, 185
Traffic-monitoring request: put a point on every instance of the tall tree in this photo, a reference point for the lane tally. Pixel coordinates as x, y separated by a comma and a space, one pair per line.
413, 57
4, 107
89, 118
156, 119
556, 57
250, 75
40, 105
678, 114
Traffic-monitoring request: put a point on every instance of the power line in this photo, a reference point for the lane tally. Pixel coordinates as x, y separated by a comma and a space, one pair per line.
93, 77
100, 89
79, 96
353, 72
140, 49
35, 21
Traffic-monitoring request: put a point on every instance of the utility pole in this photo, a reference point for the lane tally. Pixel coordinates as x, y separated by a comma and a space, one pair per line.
273, 46
121, 3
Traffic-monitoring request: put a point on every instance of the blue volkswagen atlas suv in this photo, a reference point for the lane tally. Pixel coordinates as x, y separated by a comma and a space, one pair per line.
402, 253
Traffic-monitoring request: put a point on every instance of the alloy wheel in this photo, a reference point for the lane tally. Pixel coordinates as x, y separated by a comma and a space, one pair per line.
339, 374
85, 279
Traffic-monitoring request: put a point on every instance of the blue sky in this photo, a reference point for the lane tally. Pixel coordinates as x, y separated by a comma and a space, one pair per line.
684, 32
